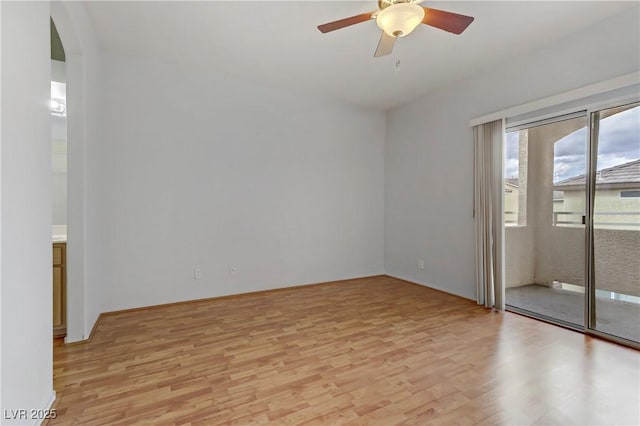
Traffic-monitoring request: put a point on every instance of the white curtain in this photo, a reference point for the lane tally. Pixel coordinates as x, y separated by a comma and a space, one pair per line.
489, 226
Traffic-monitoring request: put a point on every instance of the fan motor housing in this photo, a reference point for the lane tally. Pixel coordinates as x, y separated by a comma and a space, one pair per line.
383, 4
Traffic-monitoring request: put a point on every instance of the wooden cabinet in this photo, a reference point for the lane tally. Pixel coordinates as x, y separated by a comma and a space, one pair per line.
59, 289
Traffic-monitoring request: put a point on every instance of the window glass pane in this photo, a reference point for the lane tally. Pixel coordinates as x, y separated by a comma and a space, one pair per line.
616, 222
545, 263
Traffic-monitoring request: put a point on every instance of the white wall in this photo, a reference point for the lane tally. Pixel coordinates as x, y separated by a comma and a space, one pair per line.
429, 152
26, 210
205, 172
87, 163
84, 235
0, 209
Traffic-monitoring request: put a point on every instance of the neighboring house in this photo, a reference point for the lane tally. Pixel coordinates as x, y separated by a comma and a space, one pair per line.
511, 201
617, 200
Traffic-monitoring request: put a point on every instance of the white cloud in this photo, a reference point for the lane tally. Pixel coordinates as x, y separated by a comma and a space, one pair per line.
618, 143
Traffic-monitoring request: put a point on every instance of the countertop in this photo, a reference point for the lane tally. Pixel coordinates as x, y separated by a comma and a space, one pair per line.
59, 233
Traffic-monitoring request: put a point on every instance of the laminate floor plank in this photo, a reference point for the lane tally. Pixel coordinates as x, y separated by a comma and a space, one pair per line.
372, 351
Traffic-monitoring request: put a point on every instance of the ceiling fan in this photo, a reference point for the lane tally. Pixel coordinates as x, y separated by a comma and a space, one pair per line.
398, 18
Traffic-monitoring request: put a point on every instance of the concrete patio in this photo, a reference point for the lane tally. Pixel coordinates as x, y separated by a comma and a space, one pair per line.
614, 317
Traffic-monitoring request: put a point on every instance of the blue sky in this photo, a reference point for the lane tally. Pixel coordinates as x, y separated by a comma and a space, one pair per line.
619, 143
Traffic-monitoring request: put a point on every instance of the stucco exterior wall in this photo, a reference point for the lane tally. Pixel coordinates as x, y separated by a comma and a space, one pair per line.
616, 261
519, 256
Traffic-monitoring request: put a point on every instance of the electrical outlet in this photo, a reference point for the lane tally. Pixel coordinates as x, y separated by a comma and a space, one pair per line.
420, 264
197, 274
233, 270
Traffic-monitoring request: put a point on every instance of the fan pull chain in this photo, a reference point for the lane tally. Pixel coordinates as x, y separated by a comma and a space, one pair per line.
398, 65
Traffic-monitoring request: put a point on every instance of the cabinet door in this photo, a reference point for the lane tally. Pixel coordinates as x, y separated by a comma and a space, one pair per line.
57, 296
58, 254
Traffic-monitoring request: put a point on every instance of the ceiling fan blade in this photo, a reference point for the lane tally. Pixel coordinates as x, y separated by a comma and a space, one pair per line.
336, 25
385, 45
448, 21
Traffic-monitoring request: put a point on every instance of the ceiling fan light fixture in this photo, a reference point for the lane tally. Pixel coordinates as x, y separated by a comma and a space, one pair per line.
400, 19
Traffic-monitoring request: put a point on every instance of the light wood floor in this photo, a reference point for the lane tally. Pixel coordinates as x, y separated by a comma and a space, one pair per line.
370, 351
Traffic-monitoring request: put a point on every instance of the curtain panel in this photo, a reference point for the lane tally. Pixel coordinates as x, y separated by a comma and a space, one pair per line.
489, 225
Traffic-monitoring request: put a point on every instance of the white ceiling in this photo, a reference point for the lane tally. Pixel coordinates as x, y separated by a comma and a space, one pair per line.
278, 44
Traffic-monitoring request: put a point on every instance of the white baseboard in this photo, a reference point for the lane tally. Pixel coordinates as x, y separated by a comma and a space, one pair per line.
430, 285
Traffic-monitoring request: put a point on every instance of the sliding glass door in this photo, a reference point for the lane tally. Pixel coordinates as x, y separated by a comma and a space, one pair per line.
615, 293
544, 198
572, 220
